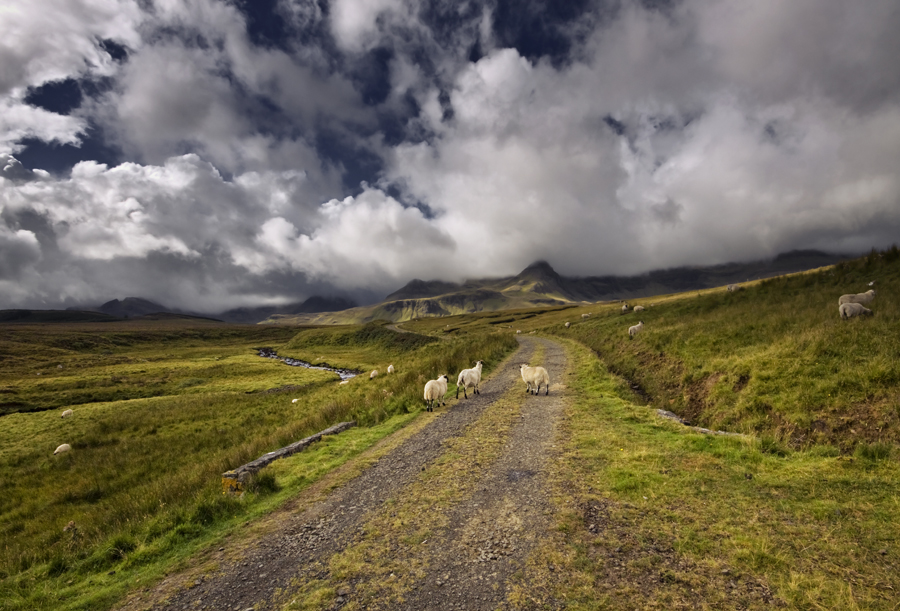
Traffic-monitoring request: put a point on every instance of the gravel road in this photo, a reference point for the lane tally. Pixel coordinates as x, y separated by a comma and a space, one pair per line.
470, 560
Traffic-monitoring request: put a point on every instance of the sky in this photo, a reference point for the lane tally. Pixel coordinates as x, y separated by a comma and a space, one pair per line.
212, 154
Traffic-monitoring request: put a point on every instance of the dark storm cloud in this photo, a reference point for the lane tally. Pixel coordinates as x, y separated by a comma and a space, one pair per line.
212, 154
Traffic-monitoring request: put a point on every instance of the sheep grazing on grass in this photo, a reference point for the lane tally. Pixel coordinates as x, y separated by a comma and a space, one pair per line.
849, 310
435, 391
638, 309
294, 400
62, 449
624, 308
632, 331
568, 324
469, 378
374, 374
67, 413
344, 382
534, 377
518, 331
734, 288
391, 368
863, 298
583, 316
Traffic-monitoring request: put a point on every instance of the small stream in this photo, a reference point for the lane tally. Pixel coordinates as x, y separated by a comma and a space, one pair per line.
346, 374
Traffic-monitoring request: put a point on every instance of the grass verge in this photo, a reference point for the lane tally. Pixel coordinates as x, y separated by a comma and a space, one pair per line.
655, 516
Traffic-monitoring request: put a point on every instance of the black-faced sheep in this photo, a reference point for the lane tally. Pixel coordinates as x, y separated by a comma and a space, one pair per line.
469, 378
67, 413
534, 377
374, 374
435, 391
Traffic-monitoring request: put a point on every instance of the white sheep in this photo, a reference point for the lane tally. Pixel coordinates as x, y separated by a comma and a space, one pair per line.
469, 378
534, 377
374, 374
391, 368
849, 310
624, 308
344, 382
863, 298
584, 316
734, 288
632, 331
567, 325
638, 309
67, 413
518, 331
294, 400
435, 391
61, 449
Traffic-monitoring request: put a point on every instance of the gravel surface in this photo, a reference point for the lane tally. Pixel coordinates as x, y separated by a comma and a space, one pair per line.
471, 561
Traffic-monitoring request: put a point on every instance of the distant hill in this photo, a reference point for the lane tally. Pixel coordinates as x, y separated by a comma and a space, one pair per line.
540, 285
44, 316
313, 305
131, 307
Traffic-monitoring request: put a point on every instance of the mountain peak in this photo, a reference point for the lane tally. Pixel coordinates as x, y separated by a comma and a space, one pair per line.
539, 270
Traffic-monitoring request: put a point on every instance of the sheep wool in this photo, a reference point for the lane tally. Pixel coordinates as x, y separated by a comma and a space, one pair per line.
374, 374
863, 298
67, 413
435, 391
849, 310
567, 325
632, 331
469, 378
61, 449
391, 368
534, 377
638, 308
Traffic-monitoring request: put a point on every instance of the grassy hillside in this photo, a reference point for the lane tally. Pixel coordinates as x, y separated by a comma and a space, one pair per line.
774, 358
162, 409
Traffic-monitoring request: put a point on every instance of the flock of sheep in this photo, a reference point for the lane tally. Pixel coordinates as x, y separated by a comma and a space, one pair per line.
855, 305
534, 378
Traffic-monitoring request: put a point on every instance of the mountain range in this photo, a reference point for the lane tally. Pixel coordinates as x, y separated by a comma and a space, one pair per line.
540, 285
537, 285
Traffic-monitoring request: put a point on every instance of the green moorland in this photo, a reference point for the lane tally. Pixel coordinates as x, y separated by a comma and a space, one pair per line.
161, 409
799, 510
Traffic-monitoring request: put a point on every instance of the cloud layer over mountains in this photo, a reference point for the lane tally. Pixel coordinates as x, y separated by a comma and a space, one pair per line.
211, 154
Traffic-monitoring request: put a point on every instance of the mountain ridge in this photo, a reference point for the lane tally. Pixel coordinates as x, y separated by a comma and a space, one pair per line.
541, 285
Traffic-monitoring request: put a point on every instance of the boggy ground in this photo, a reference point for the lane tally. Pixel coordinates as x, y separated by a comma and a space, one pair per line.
446, 519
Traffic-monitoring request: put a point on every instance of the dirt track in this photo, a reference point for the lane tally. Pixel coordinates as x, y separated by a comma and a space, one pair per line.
468, 560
